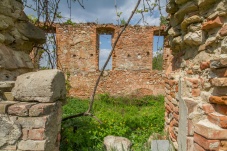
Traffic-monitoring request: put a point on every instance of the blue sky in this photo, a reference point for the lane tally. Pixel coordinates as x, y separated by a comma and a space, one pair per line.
104, 11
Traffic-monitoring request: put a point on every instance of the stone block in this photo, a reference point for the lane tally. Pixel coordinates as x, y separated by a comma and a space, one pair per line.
41, 86
219, 82
32, 122
218, 63
161, 145
210, 130
206, 143
117, 143
42, 109
223, 31
20, 109
32, 145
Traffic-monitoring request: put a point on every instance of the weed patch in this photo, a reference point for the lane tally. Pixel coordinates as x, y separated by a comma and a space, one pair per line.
133, 118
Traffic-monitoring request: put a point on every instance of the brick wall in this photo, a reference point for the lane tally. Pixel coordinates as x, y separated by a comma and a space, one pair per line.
196, 87
78, 53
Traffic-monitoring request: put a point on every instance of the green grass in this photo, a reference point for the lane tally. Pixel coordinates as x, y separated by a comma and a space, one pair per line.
135, 119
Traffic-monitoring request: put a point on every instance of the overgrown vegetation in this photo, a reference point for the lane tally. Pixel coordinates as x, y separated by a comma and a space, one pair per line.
133, 118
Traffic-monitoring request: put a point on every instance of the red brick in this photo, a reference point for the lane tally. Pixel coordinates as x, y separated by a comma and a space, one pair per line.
219, 119
169, 97
176, 116
20, 109
205, 143
210, 130
176, 109
217, 22
196, 92
208, 108
172, 134
174, 123
195, 82
219, 82
198, 148
41, 109
223, 31
204, 65
222, 109
36, 134
218, 99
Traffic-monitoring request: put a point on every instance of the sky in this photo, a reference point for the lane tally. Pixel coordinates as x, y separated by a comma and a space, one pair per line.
104, 11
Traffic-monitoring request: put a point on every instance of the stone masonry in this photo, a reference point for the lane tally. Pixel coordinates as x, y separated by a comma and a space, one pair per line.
196, 89
78, 53
31, 118
33, 121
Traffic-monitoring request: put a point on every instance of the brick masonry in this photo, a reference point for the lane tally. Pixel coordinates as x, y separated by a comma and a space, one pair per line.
196, 98
78, 53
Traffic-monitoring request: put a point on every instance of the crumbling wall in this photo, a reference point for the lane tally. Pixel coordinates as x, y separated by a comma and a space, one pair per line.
33, 121
78, 57
196, 88
30, 119
17, 38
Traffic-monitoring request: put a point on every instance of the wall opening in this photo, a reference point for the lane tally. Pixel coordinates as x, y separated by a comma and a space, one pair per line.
158, 47
105, 46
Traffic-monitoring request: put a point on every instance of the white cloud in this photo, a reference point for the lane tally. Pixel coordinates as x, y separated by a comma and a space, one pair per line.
103, 55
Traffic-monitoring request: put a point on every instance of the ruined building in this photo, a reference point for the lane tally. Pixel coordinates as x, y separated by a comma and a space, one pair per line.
131, 73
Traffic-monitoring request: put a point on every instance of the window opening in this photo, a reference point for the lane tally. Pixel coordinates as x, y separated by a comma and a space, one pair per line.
105, 46
158, 46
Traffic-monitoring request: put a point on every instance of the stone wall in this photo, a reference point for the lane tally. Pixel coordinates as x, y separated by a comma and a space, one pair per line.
30, 119
33, 121
78, 53
17, 38
196, 88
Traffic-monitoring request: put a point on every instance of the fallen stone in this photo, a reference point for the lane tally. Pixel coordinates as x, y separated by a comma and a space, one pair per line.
41, 86
161, 145
117, 143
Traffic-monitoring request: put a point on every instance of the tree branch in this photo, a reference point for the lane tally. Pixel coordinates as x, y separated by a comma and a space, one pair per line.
88, 112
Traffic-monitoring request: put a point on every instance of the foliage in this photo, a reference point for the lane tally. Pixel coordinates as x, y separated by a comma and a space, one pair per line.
163, 21
157, 61
133, 118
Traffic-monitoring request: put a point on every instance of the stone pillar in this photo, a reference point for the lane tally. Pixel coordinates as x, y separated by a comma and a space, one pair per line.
33, 120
